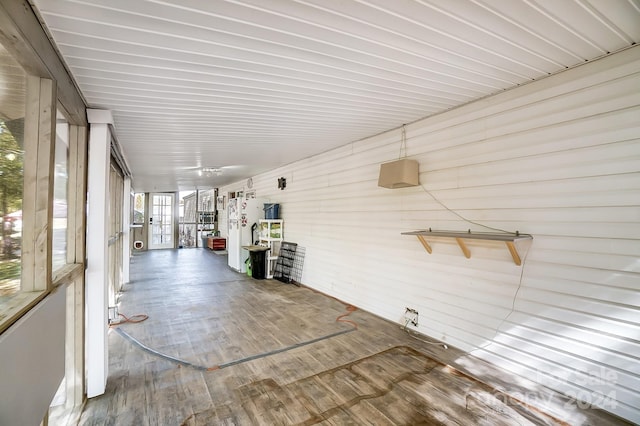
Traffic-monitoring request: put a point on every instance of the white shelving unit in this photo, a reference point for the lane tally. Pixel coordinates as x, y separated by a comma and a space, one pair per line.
271, 235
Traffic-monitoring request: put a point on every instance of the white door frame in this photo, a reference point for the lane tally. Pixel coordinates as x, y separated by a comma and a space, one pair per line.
167, 239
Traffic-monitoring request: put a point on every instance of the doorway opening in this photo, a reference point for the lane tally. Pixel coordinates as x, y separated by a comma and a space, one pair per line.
198, 217
161, 221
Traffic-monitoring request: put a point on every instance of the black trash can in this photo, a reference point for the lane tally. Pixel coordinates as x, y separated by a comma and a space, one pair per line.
258, 263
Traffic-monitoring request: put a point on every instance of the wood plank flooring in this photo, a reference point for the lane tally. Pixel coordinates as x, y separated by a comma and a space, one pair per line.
220, 348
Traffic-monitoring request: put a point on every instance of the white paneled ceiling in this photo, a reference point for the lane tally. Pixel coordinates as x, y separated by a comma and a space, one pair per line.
254, 84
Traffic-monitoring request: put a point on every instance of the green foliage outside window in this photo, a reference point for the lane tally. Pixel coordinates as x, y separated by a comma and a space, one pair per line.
11, 187
138, 207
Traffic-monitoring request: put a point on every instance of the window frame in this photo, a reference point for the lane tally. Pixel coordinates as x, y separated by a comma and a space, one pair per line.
39, 126
25, 39
62, 143
38, 278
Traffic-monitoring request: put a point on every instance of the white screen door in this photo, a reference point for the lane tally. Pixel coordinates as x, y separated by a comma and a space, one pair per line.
161, 221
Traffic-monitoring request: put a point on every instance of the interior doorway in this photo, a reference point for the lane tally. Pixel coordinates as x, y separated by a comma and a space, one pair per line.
161, 221
187, 233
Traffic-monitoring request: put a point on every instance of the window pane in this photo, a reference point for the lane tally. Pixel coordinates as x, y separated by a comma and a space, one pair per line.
60, 192
12, 112
138, 207
187, 235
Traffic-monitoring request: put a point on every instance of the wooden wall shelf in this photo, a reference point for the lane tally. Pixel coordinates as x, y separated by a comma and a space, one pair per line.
508, 238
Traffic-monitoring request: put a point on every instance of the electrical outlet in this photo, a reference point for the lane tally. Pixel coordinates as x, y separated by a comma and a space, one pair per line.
113, 314
414, 320
411, 316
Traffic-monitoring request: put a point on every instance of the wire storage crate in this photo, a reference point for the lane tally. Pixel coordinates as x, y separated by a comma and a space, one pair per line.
285, 265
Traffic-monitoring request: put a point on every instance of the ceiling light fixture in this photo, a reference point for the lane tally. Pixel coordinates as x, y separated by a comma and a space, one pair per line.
210, 171
400, 173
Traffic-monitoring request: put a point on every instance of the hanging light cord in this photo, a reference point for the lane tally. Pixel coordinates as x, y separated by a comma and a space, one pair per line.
459, 215
403, 143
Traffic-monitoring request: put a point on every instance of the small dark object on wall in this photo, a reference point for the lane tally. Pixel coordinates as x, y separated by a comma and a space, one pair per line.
282, 183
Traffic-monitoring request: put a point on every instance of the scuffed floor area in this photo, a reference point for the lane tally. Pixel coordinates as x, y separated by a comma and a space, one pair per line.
219, 347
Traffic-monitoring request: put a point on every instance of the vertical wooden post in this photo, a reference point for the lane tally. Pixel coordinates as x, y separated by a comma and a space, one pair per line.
74, 345
39, 138
44, 184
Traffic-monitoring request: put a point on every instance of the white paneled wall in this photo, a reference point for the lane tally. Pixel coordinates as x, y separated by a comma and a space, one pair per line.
559, 159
